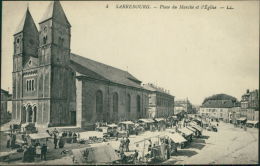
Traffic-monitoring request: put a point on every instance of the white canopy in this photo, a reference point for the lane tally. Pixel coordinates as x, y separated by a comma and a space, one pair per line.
177, 138
252, 122
192, 129
196, 127
39, 136
242, 119
186, 131
112, 125
159, 119
127, 122
147, 120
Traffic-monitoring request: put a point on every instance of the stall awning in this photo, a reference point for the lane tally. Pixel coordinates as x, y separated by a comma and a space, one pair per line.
252, 122
242, 119
112, 125
177, 138
192, 129
147, 120
39, 136
186, 131
204, 122
174, 117
127, 122
197, 127
159, 119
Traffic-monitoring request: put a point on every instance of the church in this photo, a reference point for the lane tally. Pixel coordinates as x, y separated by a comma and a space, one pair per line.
54, 87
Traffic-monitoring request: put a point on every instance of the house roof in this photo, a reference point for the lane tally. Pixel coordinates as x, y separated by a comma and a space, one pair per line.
55, 11
97, 70
218, 104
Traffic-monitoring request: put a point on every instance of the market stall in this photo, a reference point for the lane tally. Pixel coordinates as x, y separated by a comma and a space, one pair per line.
101, 153
160, 123
41, 138
127, 126
187, 134
194, 131
241, 121
197, 128
252, 123
148, 124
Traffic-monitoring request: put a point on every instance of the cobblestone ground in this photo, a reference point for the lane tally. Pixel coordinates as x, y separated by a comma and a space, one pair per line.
227, 146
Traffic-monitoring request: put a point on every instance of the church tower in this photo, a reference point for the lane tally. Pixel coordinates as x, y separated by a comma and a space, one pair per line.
25, 47
54, 58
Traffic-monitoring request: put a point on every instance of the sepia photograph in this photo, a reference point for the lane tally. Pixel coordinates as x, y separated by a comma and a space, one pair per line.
129, 82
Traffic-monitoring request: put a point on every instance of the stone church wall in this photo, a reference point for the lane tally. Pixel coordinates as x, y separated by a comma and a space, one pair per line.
86, 102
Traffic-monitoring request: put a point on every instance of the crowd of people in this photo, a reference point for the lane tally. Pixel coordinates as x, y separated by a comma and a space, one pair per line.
34, 151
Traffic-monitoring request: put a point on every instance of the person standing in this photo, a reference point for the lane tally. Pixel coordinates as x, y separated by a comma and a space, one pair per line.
8, 141
78, 136
74, 137
121, 147
55, 141
61, 142
13, 138
127, 144
135, 157
43, 151
38, 150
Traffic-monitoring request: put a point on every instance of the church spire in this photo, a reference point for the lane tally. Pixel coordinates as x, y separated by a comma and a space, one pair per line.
56, 12
27, 21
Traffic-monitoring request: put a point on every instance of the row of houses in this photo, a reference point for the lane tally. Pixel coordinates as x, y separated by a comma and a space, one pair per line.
229, 109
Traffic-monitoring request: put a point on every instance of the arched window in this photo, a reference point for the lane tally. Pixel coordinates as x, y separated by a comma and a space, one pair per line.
30, 113
99, 103
128, 103
32, 85
23, 115
115, 106
44, 39
138, 103
27, 83
34, 113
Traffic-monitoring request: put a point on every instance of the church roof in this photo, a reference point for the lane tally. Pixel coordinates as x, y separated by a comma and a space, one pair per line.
55, 11
102, 71
27, 18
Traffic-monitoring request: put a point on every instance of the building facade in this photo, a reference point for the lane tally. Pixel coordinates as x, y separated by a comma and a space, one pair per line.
219, 106
183, 104
54, 87
5, 109
161, 103
250, 105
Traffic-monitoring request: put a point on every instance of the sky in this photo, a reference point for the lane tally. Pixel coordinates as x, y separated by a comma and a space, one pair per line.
192, 53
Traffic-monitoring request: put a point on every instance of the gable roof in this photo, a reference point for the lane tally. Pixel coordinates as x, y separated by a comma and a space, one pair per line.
55, 11
26, 20
218, 104
97, 70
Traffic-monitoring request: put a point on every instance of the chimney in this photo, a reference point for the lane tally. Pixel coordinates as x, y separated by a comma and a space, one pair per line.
247, 91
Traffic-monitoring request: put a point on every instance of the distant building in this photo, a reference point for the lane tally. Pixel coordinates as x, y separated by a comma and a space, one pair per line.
161, 102
218, 106
250, 105
184, 105
5, 112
